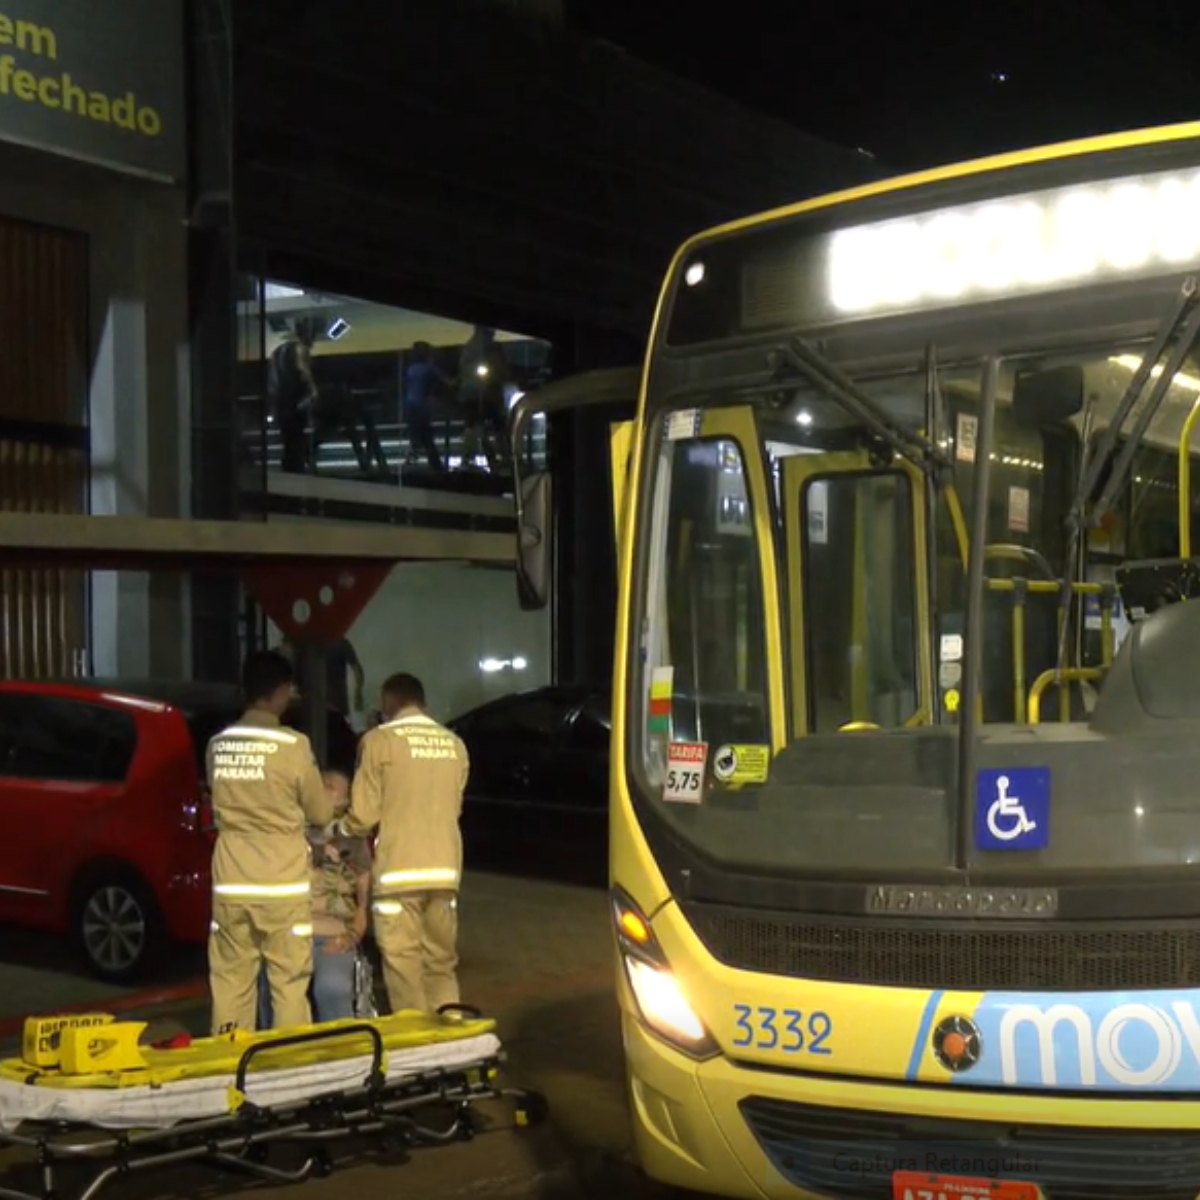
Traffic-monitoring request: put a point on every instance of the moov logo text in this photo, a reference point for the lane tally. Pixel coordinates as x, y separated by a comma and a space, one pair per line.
1118, 1041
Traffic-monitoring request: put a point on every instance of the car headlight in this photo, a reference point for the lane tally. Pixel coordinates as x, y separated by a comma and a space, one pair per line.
660, 1000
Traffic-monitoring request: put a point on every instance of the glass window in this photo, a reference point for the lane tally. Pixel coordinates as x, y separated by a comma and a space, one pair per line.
11, 717
842, 521
340, 387
860, 600
71, 741
706, 650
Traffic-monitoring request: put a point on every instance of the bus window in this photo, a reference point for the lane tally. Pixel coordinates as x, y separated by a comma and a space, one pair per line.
711, 589
860, 591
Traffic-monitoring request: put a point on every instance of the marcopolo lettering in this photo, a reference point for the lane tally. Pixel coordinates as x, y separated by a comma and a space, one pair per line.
957, 901
1133, 1045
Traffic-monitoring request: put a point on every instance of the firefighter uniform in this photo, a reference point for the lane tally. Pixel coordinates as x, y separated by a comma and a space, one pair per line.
266, 789
409, 782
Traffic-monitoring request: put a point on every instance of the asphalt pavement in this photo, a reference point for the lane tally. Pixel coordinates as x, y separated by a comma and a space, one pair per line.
536, 955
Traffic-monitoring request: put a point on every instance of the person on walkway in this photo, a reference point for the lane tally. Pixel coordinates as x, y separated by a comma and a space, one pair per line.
422, 379
483, 372
341, 901
409, 784
293, 394
266, 789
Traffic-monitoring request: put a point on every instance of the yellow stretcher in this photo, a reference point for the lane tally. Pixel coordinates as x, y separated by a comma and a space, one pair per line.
88, 1092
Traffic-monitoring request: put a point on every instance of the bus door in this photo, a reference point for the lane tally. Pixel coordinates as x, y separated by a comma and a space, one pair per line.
858, 594
712, 564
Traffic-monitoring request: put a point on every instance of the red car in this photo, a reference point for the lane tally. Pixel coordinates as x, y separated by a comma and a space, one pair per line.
108, 840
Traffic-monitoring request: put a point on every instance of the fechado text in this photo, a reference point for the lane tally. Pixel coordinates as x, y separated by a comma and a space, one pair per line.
32, 82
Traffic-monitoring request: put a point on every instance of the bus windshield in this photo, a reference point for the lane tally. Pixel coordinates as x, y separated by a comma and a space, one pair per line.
802, 582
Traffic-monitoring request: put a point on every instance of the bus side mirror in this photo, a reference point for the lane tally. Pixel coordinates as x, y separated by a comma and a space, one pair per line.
533, 540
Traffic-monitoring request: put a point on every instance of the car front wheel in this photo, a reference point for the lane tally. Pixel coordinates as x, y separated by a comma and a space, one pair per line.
117, 927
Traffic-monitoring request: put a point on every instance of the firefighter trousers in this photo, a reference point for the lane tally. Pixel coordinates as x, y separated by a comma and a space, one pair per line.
246, 934
417, 936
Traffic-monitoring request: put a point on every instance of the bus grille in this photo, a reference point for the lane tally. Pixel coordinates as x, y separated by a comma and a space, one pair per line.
848, 1153
886, 952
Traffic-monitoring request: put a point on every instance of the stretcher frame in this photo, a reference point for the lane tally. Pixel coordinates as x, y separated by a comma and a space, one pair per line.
241, 1140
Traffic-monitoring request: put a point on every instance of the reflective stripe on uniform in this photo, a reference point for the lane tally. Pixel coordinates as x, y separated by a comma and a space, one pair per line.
272, 735
428, 876
303, 930
388, 908
418, 719
265, 890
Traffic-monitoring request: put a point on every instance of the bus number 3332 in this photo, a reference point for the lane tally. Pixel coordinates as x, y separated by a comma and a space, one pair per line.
787, 1030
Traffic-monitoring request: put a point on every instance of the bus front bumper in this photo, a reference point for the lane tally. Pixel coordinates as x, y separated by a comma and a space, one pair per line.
742, 1132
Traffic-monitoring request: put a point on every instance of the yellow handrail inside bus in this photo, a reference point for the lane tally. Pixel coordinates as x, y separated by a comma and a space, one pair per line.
1018, 652
1185, 481
1021, 554
1045, 586
862, 663
957, 522
1057, 679
859, 727
1106, 632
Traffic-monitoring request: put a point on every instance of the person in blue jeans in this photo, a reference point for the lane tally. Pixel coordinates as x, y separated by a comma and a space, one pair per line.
341, 892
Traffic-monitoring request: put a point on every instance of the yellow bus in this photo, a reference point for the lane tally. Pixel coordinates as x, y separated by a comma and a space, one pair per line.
905, 769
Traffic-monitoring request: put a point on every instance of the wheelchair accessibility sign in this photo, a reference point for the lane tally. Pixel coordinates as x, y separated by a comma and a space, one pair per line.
1012, 808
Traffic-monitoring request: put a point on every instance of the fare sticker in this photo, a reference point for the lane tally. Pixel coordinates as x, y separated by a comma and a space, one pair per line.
685, 772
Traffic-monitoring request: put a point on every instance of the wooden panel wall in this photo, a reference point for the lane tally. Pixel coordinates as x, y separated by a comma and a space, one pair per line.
43, 437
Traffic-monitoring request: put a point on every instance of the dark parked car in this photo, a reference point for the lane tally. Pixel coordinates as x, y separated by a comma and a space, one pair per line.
537, 797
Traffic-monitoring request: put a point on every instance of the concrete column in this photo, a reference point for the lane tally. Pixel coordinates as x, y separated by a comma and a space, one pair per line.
138, 389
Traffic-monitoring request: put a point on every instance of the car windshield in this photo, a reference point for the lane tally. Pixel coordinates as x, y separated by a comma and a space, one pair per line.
800, 580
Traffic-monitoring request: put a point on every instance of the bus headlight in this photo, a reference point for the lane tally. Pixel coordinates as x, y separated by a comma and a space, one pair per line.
660, 999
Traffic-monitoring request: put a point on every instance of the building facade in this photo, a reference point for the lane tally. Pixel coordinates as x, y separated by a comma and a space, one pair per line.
428, 184
93, 254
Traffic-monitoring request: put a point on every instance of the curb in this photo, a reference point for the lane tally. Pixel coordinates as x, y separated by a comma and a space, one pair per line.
195, 989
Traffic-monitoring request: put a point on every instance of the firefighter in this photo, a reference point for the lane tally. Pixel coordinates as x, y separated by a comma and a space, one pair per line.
410, 780
266, 790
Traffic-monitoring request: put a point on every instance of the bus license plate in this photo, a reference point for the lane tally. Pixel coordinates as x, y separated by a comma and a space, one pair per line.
916, 1185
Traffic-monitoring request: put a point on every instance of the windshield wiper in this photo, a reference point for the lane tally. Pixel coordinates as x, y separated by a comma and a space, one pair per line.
1089, 478
840, 388
1093, 466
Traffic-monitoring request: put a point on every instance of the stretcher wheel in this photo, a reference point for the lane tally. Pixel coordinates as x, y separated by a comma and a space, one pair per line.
530, 1108
322, 1164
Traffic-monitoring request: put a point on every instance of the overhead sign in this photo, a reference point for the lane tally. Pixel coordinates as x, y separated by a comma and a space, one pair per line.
102, 82
1038, 242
